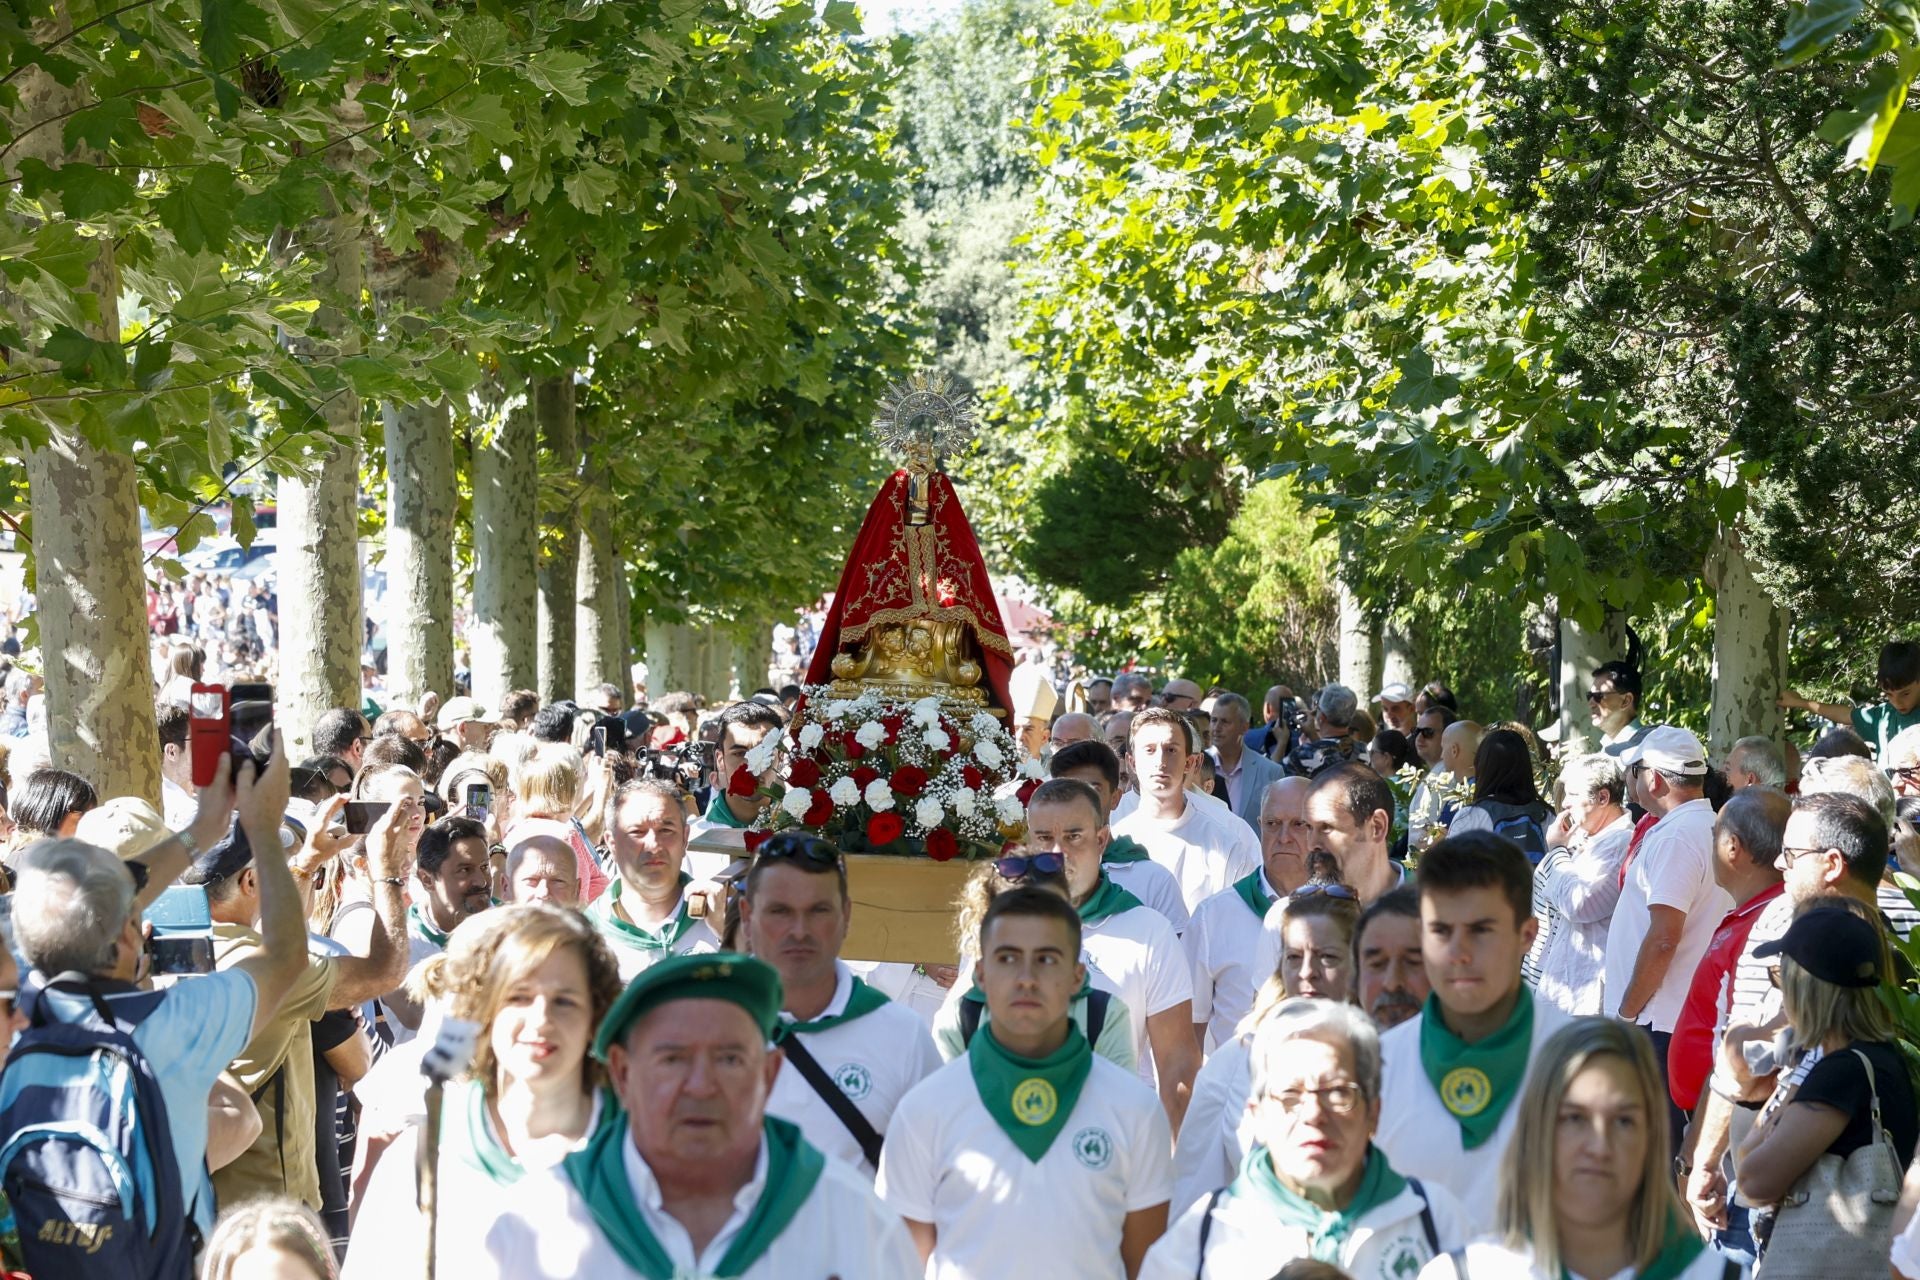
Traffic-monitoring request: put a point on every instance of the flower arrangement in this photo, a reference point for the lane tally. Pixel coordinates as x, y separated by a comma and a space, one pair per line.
880, 774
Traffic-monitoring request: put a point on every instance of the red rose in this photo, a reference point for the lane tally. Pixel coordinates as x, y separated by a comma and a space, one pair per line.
909, 780
802, 772
864, 776
972, 777
941, 845
1027, 789
853, 748
757, 838
742, 783
820, 811
893, 725
884, 829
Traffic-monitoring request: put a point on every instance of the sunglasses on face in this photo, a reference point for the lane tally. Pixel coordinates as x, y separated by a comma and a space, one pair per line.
1020, 866
1425, 731
811, 850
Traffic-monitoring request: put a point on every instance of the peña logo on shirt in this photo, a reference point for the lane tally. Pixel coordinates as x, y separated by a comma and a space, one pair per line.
1466, 1091
854, 1080
1402, 1262
1034, 1101
1093, 1148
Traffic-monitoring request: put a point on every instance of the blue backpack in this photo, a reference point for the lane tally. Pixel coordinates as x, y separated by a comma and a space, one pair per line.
88, 1161
1520, 823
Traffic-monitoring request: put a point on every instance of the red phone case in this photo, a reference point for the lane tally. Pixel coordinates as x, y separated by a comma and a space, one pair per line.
210, 736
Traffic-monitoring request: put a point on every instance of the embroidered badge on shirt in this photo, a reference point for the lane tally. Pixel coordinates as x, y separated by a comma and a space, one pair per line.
1093, 1148
1466, 1091
854, 1080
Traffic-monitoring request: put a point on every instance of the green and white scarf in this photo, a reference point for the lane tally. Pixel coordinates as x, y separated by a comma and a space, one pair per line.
633, 935
1326, 1229
1124, 849
1477, 1082
719, 814
1677, 1253
1254, 894
1029, 1098
598, 1172
1107, 899
468, 1134
421, 927
861, 1001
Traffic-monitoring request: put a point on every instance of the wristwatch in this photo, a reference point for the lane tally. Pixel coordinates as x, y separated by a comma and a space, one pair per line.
185, 837
1681, 1168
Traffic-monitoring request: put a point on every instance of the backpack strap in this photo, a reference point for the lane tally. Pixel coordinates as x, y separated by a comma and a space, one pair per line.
1459, 1259
970, 1011
1097, 1004
837, 1102
1206, 1229
1426, 1216
278, 1083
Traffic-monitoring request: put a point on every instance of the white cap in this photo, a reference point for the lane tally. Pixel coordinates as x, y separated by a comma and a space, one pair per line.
125, 825
1669, 749
1032, 692
1395, 692
459, 711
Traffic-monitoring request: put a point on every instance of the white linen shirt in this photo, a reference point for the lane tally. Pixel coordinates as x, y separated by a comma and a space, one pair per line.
1575, 889
1674, 868
1223, 945
548, 1233
1207, 848
874, 1059
1422, 1138
1154, 885
997, 1213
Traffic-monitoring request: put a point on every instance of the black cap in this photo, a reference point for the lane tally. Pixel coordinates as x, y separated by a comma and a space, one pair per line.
1833, 944
227, 856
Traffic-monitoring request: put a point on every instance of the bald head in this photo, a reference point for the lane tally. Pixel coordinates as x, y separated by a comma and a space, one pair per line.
1180, 695
1075, 726
1458, 745
1286, 837
543, 868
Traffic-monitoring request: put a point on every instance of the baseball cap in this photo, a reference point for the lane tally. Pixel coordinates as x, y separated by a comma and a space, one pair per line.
226, 856
1670, 749
1394, 692
458, 711
125, 826
1832, 944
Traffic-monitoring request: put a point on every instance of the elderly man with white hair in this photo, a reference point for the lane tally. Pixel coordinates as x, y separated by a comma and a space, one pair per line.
1756, 761
1314, 1185
1577, 884
1902, 762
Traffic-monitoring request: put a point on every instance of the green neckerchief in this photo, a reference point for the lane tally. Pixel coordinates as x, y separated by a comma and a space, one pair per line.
1029, 1098
635, 935
1108, 899
467, 1131
1477, 1082
1124, 849
719, 814
598, 1172
1677, 1253
1327, 1229
424, 927
861, 1001
1257, 899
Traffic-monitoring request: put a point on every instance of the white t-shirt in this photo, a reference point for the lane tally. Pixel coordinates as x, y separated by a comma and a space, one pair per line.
1387, 1242
1488, 1260
874, 1059
1422, 1138
1223, 945
547, 1232
903, 984
1137, 956
1154, 885
1673, 868
1217, 1132
1130, 801
631, 956
1207, 848
999, 1214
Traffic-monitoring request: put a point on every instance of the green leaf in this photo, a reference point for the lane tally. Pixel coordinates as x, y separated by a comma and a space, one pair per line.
290, 201
64, 254
842, 16
479, 40
484, 115
223, 24
99, 126
1816, 24
83, 358
152, 363
87, 191
590, 187
562, 73
200, 211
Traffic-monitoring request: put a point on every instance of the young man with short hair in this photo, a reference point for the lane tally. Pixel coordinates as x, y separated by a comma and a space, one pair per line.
1205, 846
736, 802
643, 914
455, 880
1126, 861
1880, 722
1455, 1072
851, 1053
1029, 1155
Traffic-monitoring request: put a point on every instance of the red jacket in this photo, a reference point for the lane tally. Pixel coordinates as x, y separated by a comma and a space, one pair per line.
1690, 1055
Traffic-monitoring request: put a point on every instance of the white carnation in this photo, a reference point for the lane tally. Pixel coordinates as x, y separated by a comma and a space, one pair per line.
989, 755
760, 758
927, 711
1030, 767
797, 801
871, 735
879, 795
811, 735
1009, 810
937, 738
839, 709
845, 793
964, 801
928, 812
984, 724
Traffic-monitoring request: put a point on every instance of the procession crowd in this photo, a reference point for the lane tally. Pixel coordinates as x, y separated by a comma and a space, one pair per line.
1357, 986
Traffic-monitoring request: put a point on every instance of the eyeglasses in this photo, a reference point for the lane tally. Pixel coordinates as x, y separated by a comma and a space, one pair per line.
1020, 866
1425, 731
1789, 853
1327, 887
1340, 1099
1905, 772
809, 849
1600, 695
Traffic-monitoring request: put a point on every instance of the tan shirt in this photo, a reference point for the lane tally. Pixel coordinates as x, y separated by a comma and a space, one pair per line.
281, 1160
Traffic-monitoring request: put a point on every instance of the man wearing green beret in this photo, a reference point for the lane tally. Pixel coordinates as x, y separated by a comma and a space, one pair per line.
699, 1182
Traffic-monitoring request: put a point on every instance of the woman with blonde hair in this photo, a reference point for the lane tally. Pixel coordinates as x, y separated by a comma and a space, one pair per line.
274, 1237
1586, 1184
537, 980
546, 787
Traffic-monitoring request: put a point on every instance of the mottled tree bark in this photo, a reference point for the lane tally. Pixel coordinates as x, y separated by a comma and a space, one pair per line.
599, 627
505, 634
560, 531
1749, 650
1581, 650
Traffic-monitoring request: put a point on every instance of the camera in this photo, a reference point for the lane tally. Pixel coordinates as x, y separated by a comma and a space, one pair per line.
181, 940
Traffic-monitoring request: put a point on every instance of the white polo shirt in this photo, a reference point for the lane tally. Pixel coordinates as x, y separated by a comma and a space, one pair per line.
1217, 1130
1422, 1138
1672, 868
875, 1059
1137, 956
628, 954
1154, 885
1224, 947
548, 1233
998, 1213
1207, 848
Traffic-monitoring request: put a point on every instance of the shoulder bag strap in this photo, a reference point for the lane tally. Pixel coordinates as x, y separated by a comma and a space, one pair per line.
837, 1102
1097, 1004
1459, 1259
1426, 1216
1206, 1229
970, 1021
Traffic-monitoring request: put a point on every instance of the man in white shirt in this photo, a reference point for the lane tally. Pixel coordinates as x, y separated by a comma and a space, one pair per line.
1134, 951
1350, 811
643, 914
1247, 773
851, 1053
1126, 862
1613, 704
697, 1179
1669, 902
1205, 846
177, 791
1454, 1074
1029, 1155
1224, 939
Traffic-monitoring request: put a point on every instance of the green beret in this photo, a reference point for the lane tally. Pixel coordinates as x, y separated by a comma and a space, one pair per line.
752, 984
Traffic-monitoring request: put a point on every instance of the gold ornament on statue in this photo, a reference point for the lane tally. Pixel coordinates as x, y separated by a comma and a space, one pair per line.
923, 419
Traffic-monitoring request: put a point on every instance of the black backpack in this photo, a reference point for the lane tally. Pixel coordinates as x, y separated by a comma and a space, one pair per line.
971, 1011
